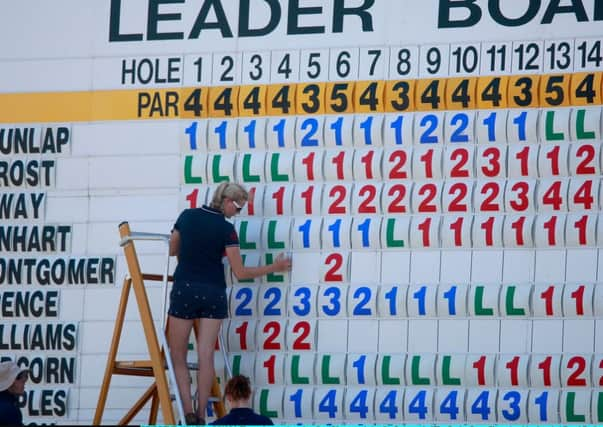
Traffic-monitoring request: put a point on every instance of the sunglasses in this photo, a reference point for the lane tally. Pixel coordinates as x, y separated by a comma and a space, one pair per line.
22, 375
239, 208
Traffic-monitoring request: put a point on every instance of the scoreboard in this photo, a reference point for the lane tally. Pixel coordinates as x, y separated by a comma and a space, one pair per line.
433, 167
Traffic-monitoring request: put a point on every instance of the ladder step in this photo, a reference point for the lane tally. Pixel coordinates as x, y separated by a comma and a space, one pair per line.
147, 364
143, 368
139, 372
133, 364
211, 399
192, 366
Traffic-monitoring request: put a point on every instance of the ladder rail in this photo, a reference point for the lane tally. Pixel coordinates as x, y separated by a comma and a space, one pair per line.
172, 375
142, 235
165, 287
224, 355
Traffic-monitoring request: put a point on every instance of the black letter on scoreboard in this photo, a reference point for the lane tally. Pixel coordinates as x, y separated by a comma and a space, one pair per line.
475, 13
339, 10
292, 20
154, 17
275, 17
200, 23
494, 8
114, 35
577, 8
598, 15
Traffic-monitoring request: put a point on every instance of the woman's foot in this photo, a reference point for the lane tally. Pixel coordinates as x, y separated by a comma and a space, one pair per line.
193, 419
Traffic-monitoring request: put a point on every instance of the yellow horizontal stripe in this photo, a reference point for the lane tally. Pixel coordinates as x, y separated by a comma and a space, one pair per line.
366, 97
45, 107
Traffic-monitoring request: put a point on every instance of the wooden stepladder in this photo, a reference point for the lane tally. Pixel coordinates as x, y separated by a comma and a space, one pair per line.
159, 362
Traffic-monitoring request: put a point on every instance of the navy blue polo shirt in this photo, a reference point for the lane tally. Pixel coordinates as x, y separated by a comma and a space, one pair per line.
10, 414
204, 236
243, 417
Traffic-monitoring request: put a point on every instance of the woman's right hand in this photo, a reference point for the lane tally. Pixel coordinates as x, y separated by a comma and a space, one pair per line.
282, 263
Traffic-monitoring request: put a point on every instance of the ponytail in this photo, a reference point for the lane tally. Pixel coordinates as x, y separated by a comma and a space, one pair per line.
228, 190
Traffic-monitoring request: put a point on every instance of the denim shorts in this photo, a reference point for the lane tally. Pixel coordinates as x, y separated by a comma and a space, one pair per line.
198, 300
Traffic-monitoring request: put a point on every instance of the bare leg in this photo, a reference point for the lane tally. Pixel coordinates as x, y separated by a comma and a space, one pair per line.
178, 335
206, 342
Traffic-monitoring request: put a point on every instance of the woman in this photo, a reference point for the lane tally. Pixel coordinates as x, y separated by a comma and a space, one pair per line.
12, 385
238, 394
200, 238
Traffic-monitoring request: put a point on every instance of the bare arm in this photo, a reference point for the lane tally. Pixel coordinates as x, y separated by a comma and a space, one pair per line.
281, 263
175, 243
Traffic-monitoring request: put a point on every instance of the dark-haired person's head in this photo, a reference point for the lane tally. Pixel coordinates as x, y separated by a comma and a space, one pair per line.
238, 394
238, 389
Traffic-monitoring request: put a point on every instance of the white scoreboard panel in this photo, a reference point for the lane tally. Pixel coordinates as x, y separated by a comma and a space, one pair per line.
434, 167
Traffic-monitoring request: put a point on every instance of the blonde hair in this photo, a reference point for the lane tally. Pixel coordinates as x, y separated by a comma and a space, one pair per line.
228, 190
